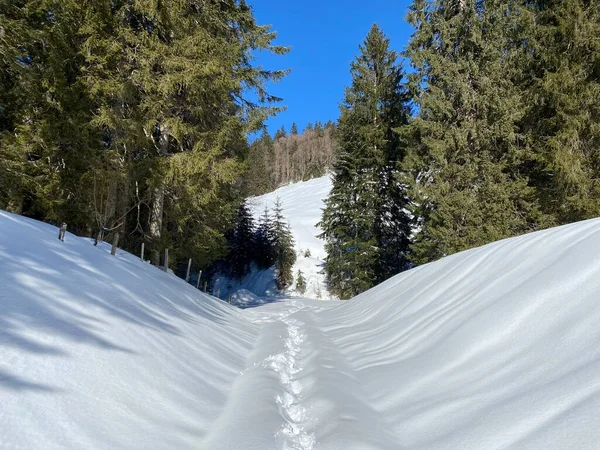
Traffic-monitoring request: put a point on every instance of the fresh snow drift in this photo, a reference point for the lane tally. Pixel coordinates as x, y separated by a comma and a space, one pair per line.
491, 348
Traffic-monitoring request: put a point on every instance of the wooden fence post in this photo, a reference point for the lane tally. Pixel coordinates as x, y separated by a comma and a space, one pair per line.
98, 238
142, 253
198, 282
205, 286
187, 274
113, 251
62, 231
166, 260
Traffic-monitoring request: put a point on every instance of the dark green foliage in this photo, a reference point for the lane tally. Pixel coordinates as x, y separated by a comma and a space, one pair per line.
270, 244
300, 283
131, 115
260, 178
469, 158
561, 81
283, 244
264, 254
280, 133
242, 244
365, 224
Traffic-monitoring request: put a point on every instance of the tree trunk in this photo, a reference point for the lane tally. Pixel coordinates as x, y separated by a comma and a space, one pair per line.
156, 219
158, 202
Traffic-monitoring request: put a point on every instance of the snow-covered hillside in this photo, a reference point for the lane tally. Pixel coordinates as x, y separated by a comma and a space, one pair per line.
303, 205
491, 348
107, 352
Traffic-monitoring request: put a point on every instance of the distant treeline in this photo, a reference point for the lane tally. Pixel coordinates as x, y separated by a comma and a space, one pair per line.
291, 157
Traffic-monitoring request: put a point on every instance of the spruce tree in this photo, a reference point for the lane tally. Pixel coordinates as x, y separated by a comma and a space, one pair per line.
561, 80
300, 283
285, 255
468, 159
131, 114
281, 133
242, 245
365, 224
260, 177
264, 253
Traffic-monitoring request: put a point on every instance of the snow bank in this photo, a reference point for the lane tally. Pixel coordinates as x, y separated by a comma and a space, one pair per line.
490, 348
107, 352
303, 205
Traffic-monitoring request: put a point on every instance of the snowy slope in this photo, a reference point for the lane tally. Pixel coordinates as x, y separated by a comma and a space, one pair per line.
491, 348
107, 352
303, 205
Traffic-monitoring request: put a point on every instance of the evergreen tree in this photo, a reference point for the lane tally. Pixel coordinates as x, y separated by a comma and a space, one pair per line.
264, 254
561, 82
318, 128
242, 245
46, 138
285, 256
364, 223
294, 129
260, 177
300, 283
132, 115
280, 133
468, 159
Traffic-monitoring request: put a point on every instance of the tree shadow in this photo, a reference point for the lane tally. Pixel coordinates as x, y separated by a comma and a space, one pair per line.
56, 294
14, 383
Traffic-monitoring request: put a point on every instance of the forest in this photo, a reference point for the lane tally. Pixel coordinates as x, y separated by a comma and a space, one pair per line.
135, 117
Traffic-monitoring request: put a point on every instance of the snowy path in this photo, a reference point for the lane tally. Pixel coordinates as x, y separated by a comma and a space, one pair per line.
314, 394
496, 347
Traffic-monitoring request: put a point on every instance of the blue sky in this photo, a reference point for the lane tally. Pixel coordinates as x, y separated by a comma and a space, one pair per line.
324, 36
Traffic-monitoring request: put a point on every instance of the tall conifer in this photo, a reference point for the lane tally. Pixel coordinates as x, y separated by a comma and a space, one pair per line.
562, 82
468, 157
365, 224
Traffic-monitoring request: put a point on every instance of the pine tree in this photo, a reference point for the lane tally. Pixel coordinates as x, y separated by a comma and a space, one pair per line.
260, 177
318, 128
281, 133
562, 83
364, 223
285, 256
242, 245
294, 129
300, 283
131, 114
468, 159
264, 253
47, 140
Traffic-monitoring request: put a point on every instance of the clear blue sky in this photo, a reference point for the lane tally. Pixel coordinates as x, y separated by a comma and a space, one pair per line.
324, 36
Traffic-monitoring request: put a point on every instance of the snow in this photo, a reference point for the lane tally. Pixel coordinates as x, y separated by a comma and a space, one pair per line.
303, 205
491, 348
107, 352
